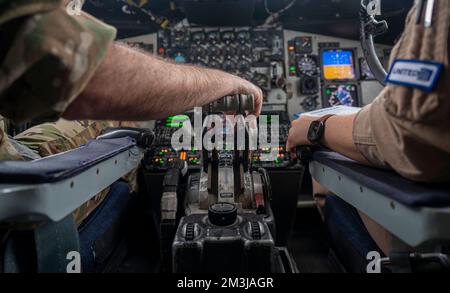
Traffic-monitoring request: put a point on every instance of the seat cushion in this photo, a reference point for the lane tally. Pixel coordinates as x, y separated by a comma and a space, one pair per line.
388, 183
65, 165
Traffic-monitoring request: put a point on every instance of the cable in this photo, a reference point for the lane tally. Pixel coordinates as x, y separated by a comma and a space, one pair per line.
273, 16
161, 21
283, 10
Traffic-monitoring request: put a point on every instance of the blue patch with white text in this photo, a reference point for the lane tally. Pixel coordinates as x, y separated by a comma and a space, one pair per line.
423, 75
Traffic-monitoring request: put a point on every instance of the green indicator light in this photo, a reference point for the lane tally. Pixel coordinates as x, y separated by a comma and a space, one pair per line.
176, 121
292, 68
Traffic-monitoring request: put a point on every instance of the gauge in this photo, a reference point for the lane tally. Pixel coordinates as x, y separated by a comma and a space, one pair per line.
213, 36
198, 51
261, 39
200, 60
228, 37
214, 64
310, 103
229, 51
257, 56
307, 65
303, 45
198, 37
243, 36
180, 38
214, 51
245, 50
229, 65
243, 66
342, 95
309, 85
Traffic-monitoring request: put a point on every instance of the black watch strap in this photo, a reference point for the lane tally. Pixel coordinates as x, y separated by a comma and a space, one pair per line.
325, 118
317, 129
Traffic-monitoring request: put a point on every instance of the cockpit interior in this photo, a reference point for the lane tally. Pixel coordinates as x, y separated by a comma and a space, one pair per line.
139, 199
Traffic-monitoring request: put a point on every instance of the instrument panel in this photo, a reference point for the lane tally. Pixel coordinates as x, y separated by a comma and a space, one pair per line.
297, 71
324, 71
254, 54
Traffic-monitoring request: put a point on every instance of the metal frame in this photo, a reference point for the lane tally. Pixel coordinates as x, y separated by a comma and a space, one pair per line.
32, 203
414, 226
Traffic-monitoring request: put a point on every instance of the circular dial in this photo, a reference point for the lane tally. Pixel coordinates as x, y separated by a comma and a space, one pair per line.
214, 64
304, 45
310, 103
243, 37
344, 95
222, 214
257, 56
229, 65
228, 37
214, 51
200, 60
307, 65
213, 36
198, 37
243, 66
198, 51
245, 50
229, 51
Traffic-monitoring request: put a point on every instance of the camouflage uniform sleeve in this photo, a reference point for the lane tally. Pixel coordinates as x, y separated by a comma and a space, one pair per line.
51, 60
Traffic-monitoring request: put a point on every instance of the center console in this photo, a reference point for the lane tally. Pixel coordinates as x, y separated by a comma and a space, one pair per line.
223, 209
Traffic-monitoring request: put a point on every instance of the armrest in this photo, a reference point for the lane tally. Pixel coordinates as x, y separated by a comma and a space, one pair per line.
53, 187
417, 214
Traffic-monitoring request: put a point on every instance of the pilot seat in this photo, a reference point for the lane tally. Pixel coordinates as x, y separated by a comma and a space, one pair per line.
417, 215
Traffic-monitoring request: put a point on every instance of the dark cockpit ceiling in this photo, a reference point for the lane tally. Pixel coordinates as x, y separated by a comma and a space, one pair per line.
337, 18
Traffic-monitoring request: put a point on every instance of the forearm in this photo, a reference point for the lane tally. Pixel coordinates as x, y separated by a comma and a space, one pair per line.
131, 85
339, 137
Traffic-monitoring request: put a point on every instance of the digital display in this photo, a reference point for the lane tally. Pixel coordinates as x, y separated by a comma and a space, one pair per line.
341, 95
338, 65
176, 121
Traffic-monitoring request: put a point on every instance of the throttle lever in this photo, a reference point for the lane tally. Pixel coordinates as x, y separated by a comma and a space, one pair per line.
144, 137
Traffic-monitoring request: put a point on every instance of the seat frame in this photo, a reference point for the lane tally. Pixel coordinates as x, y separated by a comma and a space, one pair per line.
415, 226
32, 203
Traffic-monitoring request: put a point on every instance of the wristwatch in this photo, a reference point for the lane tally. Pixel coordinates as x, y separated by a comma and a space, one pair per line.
317, 129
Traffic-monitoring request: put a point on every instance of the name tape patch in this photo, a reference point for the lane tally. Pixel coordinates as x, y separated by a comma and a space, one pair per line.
423, 75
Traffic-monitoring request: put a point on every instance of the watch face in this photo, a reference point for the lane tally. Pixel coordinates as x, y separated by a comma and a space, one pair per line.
315, 132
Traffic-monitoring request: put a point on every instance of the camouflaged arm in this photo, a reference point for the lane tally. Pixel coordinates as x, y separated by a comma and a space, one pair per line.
51, 60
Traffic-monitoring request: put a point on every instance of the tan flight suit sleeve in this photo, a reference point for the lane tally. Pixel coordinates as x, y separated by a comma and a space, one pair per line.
407, 129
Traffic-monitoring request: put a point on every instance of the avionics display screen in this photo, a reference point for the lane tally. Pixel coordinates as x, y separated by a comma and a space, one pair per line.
338, 64
176, 121
341, 95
